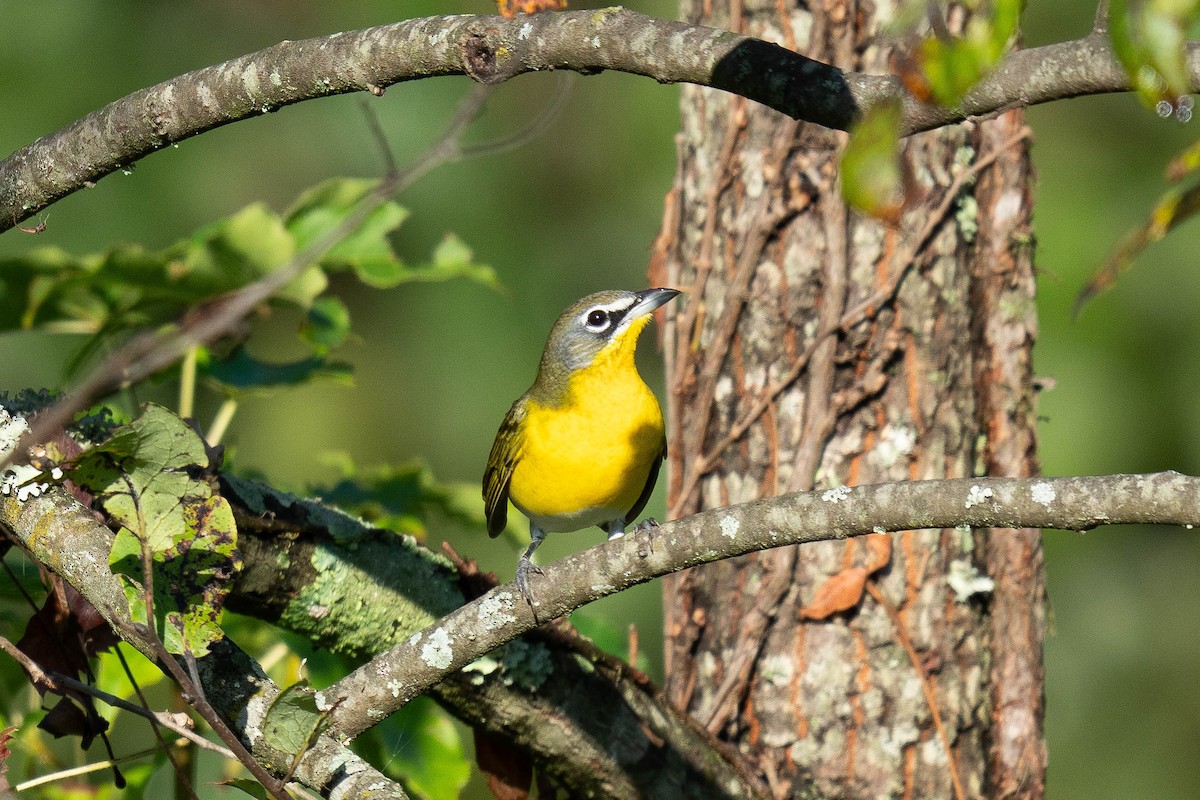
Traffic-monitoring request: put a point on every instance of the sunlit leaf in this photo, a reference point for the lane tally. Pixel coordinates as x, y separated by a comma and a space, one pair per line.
367, 249
293, 722
150, 478
243, 372
236, 250
872, 177
114, 293
452, 259
1150, 40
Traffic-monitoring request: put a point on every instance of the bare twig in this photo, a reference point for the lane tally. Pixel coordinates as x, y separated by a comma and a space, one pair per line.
901, 265
75, 772
149, 352
182, 779
196, 699
57, 682
926, 684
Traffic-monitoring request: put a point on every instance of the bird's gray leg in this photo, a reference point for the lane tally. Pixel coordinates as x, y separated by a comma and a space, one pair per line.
525, 565
616, 528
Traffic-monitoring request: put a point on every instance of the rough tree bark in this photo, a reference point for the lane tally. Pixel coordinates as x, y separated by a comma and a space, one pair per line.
819, 348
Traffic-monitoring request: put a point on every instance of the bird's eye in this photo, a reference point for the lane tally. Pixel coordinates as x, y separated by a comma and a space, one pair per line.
597, 319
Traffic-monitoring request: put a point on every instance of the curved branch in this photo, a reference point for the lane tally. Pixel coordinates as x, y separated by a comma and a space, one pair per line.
366, 582
66, 537
491, 49
390, 680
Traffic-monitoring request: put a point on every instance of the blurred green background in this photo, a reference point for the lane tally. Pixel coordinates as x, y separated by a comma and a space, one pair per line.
576, 211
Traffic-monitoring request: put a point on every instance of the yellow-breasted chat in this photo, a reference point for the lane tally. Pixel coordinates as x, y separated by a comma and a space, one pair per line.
583, 446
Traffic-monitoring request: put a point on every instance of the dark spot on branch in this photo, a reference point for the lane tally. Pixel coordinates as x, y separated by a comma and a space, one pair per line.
480, 59
798, 86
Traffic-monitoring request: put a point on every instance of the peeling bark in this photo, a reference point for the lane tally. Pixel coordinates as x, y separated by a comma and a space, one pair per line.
818, 349
1005, 329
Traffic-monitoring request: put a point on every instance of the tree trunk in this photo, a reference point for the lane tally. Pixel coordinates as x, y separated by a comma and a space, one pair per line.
820, 348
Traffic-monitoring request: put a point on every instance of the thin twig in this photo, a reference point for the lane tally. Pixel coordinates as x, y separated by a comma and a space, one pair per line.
57, 683
36, 674
168, 662
855, 315
926, 684
75, 772
534, 129
147, 353
1100, 23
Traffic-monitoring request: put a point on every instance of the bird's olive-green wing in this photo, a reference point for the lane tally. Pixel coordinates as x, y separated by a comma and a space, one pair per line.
651, 479
506, 450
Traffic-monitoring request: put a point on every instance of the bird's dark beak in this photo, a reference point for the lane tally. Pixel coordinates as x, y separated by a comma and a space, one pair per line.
651, 299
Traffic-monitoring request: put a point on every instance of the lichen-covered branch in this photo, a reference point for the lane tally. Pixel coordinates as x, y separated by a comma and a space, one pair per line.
491, 49
356, 589
409, 669
66, 537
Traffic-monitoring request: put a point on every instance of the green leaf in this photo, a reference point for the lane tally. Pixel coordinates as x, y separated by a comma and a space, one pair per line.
872, 177
453, 259
327, 325
401, 498
240, 371
149, 477
323, 207
250, 787
952, 65
294, 722
367, 249
112, 293
1150, 40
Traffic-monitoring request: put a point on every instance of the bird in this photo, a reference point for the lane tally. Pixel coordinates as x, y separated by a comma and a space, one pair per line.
584, 445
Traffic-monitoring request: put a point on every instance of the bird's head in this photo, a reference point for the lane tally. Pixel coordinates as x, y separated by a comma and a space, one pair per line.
600, 326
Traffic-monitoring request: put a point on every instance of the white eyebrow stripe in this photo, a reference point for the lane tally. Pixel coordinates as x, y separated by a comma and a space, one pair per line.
621, 306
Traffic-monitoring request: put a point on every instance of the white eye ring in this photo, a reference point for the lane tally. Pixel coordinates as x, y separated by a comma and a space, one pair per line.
597, 320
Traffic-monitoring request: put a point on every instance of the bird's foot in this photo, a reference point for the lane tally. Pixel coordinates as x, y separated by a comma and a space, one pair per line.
524, 567
649, 523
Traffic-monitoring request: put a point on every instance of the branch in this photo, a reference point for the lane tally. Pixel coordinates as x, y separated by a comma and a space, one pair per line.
392, 679
152, 350
66, 537
492, 49
359, 590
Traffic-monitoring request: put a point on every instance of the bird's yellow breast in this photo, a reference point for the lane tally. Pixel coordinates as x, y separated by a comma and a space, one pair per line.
586, 460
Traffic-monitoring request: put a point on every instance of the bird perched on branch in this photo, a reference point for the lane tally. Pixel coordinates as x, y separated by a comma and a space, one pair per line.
583, 446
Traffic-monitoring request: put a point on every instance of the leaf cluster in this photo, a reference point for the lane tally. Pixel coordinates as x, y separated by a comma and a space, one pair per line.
129, 287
